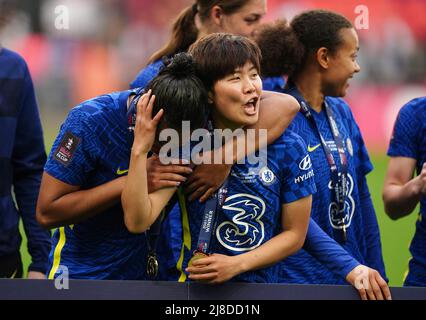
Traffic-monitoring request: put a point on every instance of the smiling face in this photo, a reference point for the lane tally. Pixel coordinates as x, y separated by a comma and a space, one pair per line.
236, 98
342, 64
245, 21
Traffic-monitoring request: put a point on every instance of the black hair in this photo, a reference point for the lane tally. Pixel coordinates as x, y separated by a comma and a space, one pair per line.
219, 54
286, 47
180, 92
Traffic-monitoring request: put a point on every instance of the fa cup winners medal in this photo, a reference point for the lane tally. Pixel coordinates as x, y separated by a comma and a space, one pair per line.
196, 256
152, 266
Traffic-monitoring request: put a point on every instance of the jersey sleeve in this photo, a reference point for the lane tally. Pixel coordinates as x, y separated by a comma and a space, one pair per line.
404, 137
297, 178
146, 75
74, 153
328, 252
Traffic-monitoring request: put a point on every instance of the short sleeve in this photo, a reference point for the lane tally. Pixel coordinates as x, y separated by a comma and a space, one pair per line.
74, 153
297, 179
404, 137
147, 74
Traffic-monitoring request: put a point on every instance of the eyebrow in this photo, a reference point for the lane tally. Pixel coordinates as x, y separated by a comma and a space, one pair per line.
255, 15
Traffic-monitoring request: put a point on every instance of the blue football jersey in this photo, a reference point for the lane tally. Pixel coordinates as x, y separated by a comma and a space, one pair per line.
251, 214
409, 140
147, 74
363, 242
273, 84
92, 148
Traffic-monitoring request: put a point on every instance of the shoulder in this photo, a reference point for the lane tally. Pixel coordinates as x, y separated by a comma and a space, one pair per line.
147, 74
291, 143
11, 63
414, 108
282, 103
97, 110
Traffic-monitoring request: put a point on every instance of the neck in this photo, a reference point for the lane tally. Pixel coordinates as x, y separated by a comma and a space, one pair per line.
219, 122
202, 33
309, 86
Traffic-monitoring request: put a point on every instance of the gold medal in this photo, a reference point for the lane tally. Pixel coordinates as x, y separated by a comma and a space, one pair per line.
197, 255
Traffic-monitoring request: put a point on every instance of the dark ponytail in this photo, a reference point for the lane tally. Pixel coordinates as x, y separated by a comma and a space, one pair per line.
185, 32
180, 92
183, 35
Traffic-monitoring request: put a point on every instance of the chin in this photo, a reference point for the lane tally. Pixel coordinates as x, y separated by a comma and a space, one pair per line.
251, 120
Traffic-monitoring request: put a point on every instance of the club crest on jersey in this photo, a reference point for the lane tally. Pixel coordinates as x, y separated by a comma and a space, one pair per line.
333, 209
246, 231
267, 176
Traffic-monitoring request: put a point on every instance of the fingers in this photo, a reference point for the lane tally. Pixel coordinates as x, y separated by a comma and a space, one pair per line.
181, 168
140, 108
198, 192
142, 103
145, 106
200, 269
384, 287
191, 187
207, 195
363, 294
168, 184
172, 177
150, 105
376, 290
193, 178
203, 277
176, 169
158, 116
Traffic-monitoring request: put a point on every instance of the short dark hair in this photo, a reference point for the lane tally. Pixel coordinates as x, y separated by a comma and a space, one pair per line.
180, 92
219, 54
286, 47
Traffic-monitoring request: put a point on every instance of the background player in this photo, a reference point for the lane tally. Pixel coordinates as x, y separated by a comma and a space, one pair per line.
402, 192
85, 175
318, 51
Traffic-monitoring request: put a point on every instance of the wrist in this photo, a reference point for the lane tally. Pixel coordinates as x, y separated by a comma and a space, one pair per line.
241, 263
139, 152
416, 188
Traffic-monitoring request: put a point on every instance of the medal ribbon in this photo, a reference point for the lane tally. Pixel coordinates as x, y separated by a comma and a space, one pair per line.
338, 179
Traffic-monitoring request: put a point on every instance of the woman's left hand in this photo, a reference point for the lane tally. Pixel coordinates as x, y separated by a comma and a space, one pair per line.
214, 269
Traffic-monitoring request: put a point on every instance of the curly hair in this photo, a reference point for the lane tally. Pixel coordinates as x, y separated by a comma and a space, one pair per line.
286, 47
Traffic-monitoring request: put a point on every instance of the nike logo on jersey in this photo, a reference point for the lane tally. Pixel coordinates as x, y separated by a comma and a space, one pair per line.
312, 149
121, 172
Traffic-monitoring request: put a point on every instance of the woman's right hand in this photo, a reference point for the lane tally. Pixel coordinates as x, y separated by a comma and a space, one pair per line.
145, 126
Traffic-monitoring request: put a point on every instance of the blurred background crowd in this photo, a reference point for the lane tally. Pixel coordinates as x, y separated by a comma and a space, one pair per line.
105, 44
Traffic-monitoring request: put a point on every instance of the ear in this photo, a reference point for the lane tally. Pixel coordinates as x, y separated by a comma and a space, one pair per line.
216, 14
323, 57
210, 97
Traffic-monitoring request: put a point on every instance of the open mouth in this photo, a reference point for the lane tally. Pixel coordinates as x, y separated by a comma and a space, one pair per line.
250, 107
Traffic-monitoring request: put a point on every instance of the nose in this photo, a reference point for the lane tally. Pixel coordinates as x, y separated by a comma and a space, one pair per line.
357, 67
249, 86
